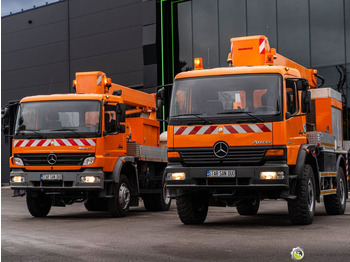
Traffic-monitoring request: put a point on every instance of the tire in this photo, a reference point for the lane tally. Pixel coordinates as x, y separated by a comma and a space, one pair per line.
192, 209
39, 205
157, 202
118, 205
95, 204
248, 207
302, 209
336, 204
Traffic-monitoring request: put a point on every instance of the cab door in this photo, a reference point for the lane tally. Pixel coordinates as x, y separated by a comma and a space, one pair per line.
295, 123
114, 142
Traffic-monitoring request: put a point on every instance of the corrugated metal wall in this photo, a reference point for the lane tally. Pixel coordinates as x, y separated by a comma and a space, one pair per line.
314, 33
44, 47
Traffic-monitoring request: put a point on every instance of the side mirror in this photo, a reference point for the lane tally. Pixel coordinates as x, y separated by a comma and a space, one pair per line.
160, 103
161, 93
120, 117
302, 84
159, 110
306, 101
120, 113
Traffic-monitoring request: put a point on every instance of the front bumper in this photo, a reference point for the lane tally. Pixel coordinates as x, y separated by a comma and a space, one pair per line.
70, 180
247, 180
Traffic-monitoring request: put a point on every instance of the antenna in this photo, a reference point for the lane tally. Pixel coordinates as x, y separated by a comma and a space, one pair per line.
51, 84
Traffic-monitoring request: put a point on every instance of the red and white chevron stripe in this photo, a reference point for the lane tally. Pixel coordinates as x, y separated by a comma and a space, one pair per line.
195, 130
251, 128
53, 142
229, 129
347, 167
261, 46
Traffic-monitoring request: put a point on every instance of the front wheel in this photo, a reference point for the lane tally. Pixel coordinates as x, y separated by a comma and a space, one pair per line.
192, 209
336, 204
118, 205
302, 209
38, 204
248, 207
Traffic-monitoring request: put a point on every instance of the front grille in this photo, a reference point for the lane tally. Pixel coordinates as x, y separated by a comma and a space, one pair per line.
72, 159
236, 156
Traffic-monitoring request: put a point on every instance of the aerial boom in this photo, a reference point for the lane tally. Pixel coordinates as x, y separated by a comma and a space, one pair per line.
256, 51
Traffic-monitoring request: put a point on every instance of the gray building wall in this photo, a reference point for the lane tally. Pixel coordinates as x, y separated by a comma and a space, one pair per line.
43, 48
314, 33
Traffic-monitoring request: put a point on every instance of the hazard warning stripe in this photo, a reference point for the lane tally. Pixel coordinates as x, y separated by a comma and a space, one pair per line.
252, 128
195, 130
99, 80
54, 142
262, 46
230, 129
347, 167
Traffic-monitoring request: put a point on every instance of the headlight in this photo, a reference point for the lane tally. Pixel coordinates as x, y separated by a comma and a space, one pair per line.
90, 179
18, 161
176, 176
268, 175
18, 179
89, 161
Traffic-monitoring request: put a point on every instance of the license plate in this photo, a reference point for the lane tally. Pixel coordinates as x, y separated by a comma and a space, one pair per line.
51, 176
221, 173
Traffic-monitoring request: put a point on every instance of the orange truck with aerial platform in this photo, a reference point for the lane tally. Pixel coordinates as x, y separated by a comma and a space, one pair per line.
100, 145
257, 129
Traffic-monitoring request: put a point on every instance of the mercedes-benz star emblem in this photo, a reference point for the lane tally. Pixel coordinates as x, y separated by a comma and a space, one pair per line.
221, 149
51, 159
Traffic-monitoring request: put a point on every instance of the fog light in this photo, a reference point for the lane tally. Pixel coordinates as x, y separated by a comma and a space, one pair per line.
89, 161
18, 179
271, 175
18, 161
176, 176
90, 179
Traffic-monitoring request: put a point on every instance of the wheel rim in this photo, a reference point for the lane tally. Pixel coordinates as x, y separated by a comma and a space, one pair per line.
124, 196
310, 196
341, 191
165, 195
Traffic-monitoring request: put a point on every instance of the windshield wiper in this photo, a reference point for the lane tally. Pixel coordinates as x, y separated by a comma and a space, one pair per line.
30, 130
241, 112
196, 115
68, 129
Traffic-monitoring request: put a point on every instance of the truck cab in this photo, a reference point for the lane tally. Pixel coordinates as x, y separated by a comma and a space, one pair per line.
239, 134
99, 146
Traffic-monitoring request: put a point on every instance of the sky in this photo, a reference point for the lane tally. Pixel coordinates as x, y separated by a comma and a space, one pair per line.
16, 6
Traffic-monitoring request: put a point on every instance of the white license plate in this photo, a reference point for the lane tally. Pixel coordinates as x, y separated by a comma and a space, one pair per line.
221, 173
51, 176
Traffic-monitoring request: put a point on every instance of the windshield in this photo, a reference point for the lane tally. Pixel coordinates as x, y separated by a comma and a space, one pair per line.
59, 119
255, 97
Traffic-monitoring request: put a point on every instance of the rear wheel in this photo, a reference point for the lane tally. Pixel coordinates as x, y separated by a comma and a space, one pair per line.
248, 207
158, 202
118, 205
336, 204
302, 209
39, 204
193, 208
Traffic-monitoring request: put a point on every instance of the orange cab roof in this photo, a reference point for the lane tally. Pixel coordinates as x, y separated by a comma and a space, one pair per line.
237, 70
58, 97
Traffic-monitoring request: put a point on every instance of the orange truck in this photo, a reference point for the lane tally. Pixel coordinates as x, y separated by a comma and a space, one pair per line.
99, 145
257, 129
